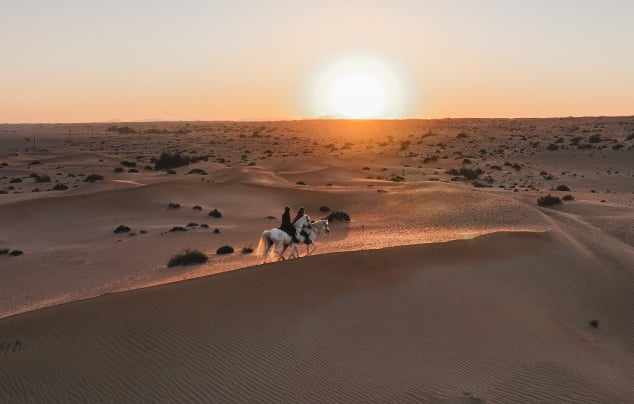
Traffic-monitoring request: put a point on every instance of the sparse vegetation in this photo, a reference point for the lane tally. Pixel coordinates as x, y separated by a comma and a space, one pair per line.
224, 250
568, 197
173, 205
16, 253
169, 160
548, 200
341, 216
4, 251
187, 257
41, 178
93, 177
563, 188
121, 229
247, 250
60, 187
177, 228
215, 213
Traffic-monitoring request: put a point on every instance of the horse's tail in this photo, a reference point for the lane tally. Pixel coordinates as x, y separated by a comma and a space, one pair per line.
264, 243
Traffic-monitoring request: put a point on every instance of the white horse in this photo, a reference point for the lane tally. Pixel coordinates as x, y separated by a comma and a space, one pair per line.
281, 239
311, 231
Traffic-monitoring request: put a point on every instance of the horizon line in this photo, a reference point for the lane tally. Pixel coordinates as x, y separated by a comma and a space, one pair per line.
329, 118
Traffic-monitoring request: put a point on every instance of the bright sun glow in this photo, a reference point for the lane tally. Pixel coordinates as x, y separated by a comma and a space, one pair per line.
358, 87
359, 95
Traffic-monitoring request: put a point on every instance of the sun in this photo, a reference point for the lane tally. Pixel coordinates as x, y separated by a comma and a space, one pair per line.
357, 86
358, 95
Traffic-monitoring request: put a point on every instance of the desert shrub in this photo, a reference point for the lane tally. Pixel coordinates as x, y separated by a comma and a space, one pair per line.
568, 197
118, 169
125, 130
15, 253
300, 183
342, 216
197, 171
173, 205
324, 209
128, 163
247, 250
216, 231
548, 200
121, 229
177, 228
4, 251
594, 323
225, 249
187, 257
15, 180
215, 213
431, 159
466, 161
133, 170
41, 178
397, 178
563, 188
192, 224
470, 173
594, 138
60, 187
169, 160
366, 168
93, 178
197, 207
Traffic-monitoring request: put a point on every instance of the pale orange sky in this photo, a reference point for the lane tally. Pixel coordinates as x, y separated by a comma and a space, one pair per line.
71, 61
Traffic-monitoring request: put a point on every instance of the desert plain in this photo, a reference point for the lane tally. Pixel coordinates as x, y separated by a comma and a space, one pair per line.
449, 283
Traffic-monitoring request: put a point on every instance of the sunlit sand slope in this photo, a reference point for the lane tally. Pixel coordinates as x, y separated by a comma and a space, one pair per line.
499, 318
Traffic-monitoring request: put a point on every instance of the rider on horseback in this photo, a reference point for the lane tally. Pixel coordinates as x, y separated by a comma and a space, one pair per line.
298, 224
287, 225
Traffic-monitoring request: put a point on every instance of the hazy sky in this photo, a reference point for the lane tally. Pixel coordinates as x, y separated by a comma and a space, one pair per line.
87, 60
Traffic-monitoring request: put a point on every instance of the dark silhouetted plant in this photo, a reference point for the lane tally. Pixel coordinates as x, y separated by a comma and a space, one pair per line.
93, 178
187, 257
225, 249
121, 229
169, 160
342, 216
548, 200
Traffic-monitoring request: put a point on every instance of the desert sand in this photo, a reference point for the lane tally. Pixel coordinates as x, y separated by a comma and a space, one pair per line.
448, 283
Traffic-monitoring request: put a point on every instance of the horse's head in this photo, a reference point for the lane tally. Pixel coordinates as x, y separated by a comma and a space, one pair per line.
322, 225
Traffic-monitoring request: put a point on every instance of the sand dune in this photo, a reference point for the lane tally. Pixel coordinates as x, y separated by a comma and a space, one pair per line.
500, 318
448, 284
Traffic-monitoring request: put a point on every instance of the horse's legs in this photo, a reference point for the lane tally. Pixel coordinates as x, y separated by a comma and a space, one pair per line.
278, 252
293, 253
308, 248
269, 244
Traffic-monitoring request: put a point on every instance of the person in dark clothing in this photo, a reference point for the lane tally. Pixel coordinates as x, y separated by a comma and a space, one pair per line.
287, 225
298, 226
